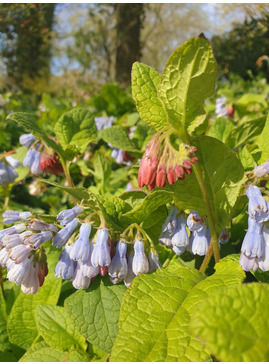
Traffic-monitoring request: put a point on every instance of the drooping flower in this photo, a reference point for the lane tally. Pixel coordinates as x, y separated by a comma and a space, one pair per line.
101, 254
253, 244
258, 207
262, 170
118, 267
195, 222
79, 280
140, 260
10, 217
16, 229
87, 268
40, 225
27, 139
130, 273
201, 241
65, 268
61, 238
35, 167
180, 238
153, 258
263, 262
80, 250
66, 216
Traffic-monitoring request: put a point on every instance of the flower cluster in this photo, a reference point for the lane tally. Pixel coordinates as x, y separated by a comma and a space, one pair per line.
21, 252
175, 236
161, 161
82, 258
255, 246
8, 166
40, 157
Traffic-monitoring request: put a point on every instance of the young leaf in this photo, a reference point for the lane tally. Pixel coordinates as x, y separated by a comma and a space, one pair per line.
233, 323
145, 81
117, 136
221, 128
76, 127
21, 324
223, 174
96, 312
57, 329
156, 310
187, 80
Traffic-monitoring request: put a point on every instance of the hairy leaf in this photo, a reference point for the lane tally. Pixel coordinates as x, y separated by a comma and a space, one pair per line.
118, 137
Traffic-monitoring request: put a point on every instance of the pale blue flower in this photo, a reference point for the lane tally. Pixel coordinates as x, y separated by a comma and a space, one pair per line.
35, 167
262, 170
153, 258
26, 139
258, 207
40, 225
12, 161
140, 260
201, 241
65, 268
31, 283
18, 272
118, 268
80, 250
29, 158
101, 254
12, 230
61, 238
66, 216
35, 240
248, 263
195, 222
180, 236
79, 280
253, 244
10, 217
130, 274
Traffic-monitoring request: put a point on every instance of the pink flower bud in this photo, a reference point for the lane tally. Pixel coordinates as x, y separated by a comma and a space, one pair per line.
179, 170
171, 176
161, 176
103, 270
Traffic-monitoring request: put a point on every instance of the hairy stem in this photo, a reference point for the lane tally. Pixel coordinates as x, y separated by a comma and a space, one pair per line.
207, 259
214, 236
68, 177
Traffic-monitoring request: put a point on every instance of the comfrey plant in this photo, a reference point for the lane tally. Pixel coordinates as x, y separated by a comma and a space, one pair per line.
8, 166
149, 276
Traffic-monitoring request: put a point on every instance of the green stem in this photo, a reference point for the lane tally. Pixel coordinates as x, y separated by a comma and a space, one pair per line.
214, 236
207, 259
1, 281
68, 177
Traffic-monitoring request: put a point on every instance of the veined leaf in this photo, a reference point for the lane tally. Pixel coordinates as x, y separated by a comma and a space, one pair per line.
117, 136
145, 81
187, 80
156, 311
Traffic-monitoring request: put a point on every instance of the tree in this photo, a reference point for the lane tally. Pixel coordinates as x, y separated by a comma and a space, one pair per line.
25, 41
237, 51
129, 19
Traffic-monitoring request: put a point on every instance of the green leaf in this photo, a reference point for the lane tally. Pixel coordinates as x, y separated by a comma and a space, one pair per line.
249, 155
57, 329
262, 142
221, 128
145, 81
245, 132
133, 198
96, 312
234, 323
112, 208
156, 310
42, 352
28, 122
223, 175
4, 342
187, 80
80, 193
144, 210
21, 324
118, 137
76, 127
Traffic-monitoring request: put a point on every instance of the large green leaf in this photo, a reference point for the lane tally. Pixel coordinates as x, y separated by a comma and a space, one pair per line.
187, 80
221, 128
118, 137
234, 323
76, 127
4, 342
96, 312
57, 328
223, 175
156, 309
144, 211
145, 81
21, 324
28, 122
42, 352
245, 132
262, 142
